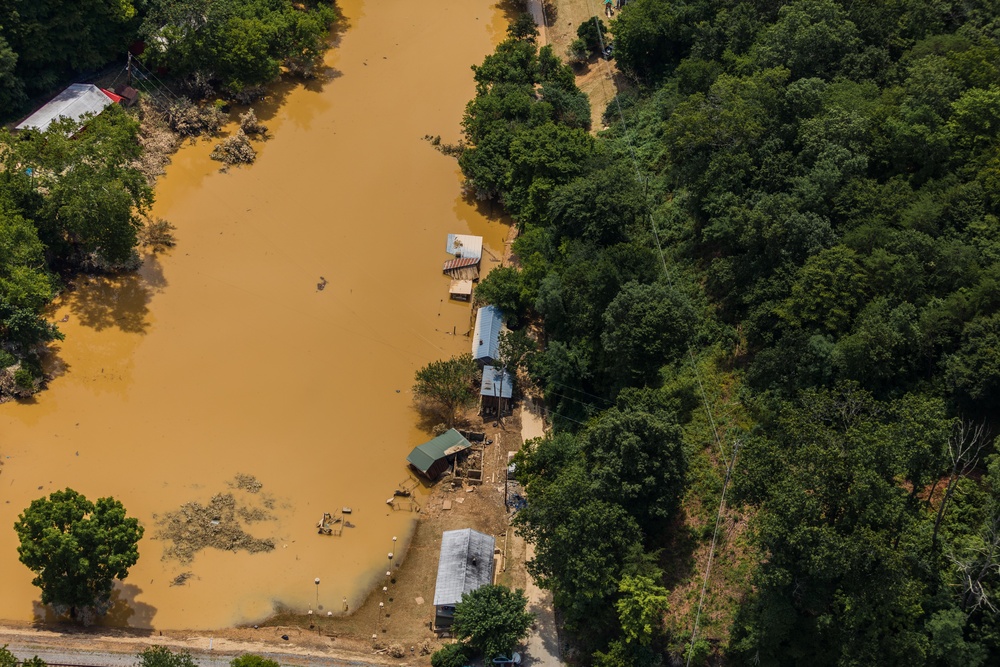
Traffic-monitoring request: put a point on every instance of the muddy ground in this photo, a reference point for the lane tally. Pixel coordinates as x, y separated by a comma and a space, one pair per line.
407, 610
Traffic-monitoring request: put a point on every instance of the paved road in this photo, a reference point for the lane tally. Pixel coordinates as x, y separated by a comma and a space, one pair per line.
535, 7
543, 644
95, 651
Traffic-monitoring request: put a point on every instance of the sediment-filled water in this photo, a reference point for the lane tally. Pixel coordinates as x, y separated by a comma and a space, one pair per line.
221, 357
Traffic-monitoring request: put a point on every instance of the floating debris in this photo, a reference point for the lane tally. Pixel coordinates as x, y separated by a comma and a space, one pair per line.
247, 483
181, 579
195, 527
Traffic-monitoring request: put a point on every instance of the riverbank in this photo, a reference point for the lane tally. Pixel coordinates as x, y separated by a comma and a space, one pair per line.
398, 617
222, 357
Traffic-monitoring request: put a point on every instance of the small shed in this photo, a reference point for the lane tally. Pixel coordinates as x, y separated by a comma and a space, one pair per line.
465, 564
498, 384
128, 94
460, 290
486, 335
465, 246
432, 458
78, 100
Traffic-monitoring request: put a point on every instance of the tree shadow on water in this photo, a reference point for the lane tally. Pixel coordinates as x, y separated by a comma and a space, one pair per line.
490, 209
117, 301
124, 611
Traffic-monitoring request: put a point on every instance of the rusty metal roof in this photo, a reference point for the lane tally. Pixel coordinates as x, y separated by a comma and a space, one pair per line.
460, 263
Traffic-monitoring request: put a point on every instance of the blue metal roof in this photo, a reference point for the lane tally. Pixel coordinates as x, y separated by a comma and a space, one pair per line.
486, 335
496, 381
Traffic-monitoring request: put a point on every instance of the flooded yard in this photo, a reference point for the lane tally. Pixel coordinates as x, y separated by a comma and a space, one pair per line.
222, 361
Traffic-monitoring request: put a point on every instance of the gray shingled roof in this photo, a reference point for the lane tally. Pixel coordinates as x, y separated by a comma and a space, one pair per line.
466, 563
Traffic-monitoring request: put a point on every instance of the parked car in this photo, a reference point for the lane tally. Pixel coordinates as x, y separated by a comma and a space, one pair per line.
514, 659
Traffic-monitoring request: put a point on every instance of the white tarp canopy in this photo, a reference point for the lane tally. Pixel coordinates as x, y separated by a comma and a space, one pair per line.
74, 102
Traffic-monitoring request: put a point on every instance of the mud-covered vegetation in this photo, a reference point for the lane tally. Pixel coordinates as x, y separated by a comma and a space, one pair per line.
219, 524
780, 265
235, 149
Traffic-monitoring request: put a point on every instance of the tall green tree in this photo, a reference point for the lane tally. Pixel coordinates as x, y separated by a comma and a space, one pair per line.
54, 39
641, 608
492, 619
843, 582
447, 385
636, 460
76, 548
85, 194
236, 45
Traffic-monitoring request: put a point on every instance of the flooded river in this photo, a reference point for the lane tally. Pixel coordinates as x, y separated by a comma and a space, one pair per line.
223, 358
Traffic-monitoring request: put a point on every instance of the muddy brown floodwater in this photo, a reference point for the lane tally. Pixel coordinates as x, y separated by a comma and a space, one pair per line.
222, 358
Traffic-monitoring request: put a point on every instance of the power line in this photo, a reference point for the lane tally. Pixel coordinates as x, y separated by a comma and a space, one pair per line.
587, 393
694, 366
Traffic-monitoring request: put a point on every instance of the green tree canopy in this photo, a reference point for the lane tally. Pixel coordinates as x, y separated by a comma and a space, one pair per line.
161, 656
251, 660
641, 608
447, 385
492, 619
237, 44
636, 460
76, 548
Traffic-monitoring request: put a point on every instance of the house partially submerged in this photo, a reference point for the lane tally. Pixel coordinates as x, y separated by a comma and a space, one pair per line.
465, 246
433, 458
78, 100
461, 290
486, 335
465, 564
497, 387
466, 252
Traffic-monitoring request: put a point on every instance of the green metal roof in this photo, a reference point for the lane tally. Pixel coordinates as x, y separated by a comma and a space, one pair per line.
446, 444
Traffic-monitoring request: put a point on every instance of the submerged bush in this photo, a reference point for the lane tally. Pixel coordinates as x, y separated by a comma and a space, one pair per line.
235, 149
191, 120
157, 233
251, 126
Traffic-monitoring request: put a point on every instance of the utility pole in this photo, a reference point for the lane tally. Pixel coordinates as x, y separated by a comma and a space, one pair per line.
500, 399
128, 71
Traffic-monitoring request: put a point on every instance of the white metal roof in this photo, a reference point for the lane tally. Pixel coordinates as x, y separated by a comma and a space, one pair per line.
466, 563
497, 382
486, 335
461, 287
464, 245
74, 102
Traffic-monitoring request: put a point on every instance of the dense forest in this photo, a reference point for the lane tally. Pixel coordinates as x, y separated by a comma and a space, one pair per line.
773, 278
74, 198
206, 46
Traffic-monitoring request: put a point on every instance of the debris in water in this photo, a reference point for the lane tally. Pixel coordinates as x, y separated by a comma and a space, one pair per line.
321, 285
247, 483
181, 578
194, 527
